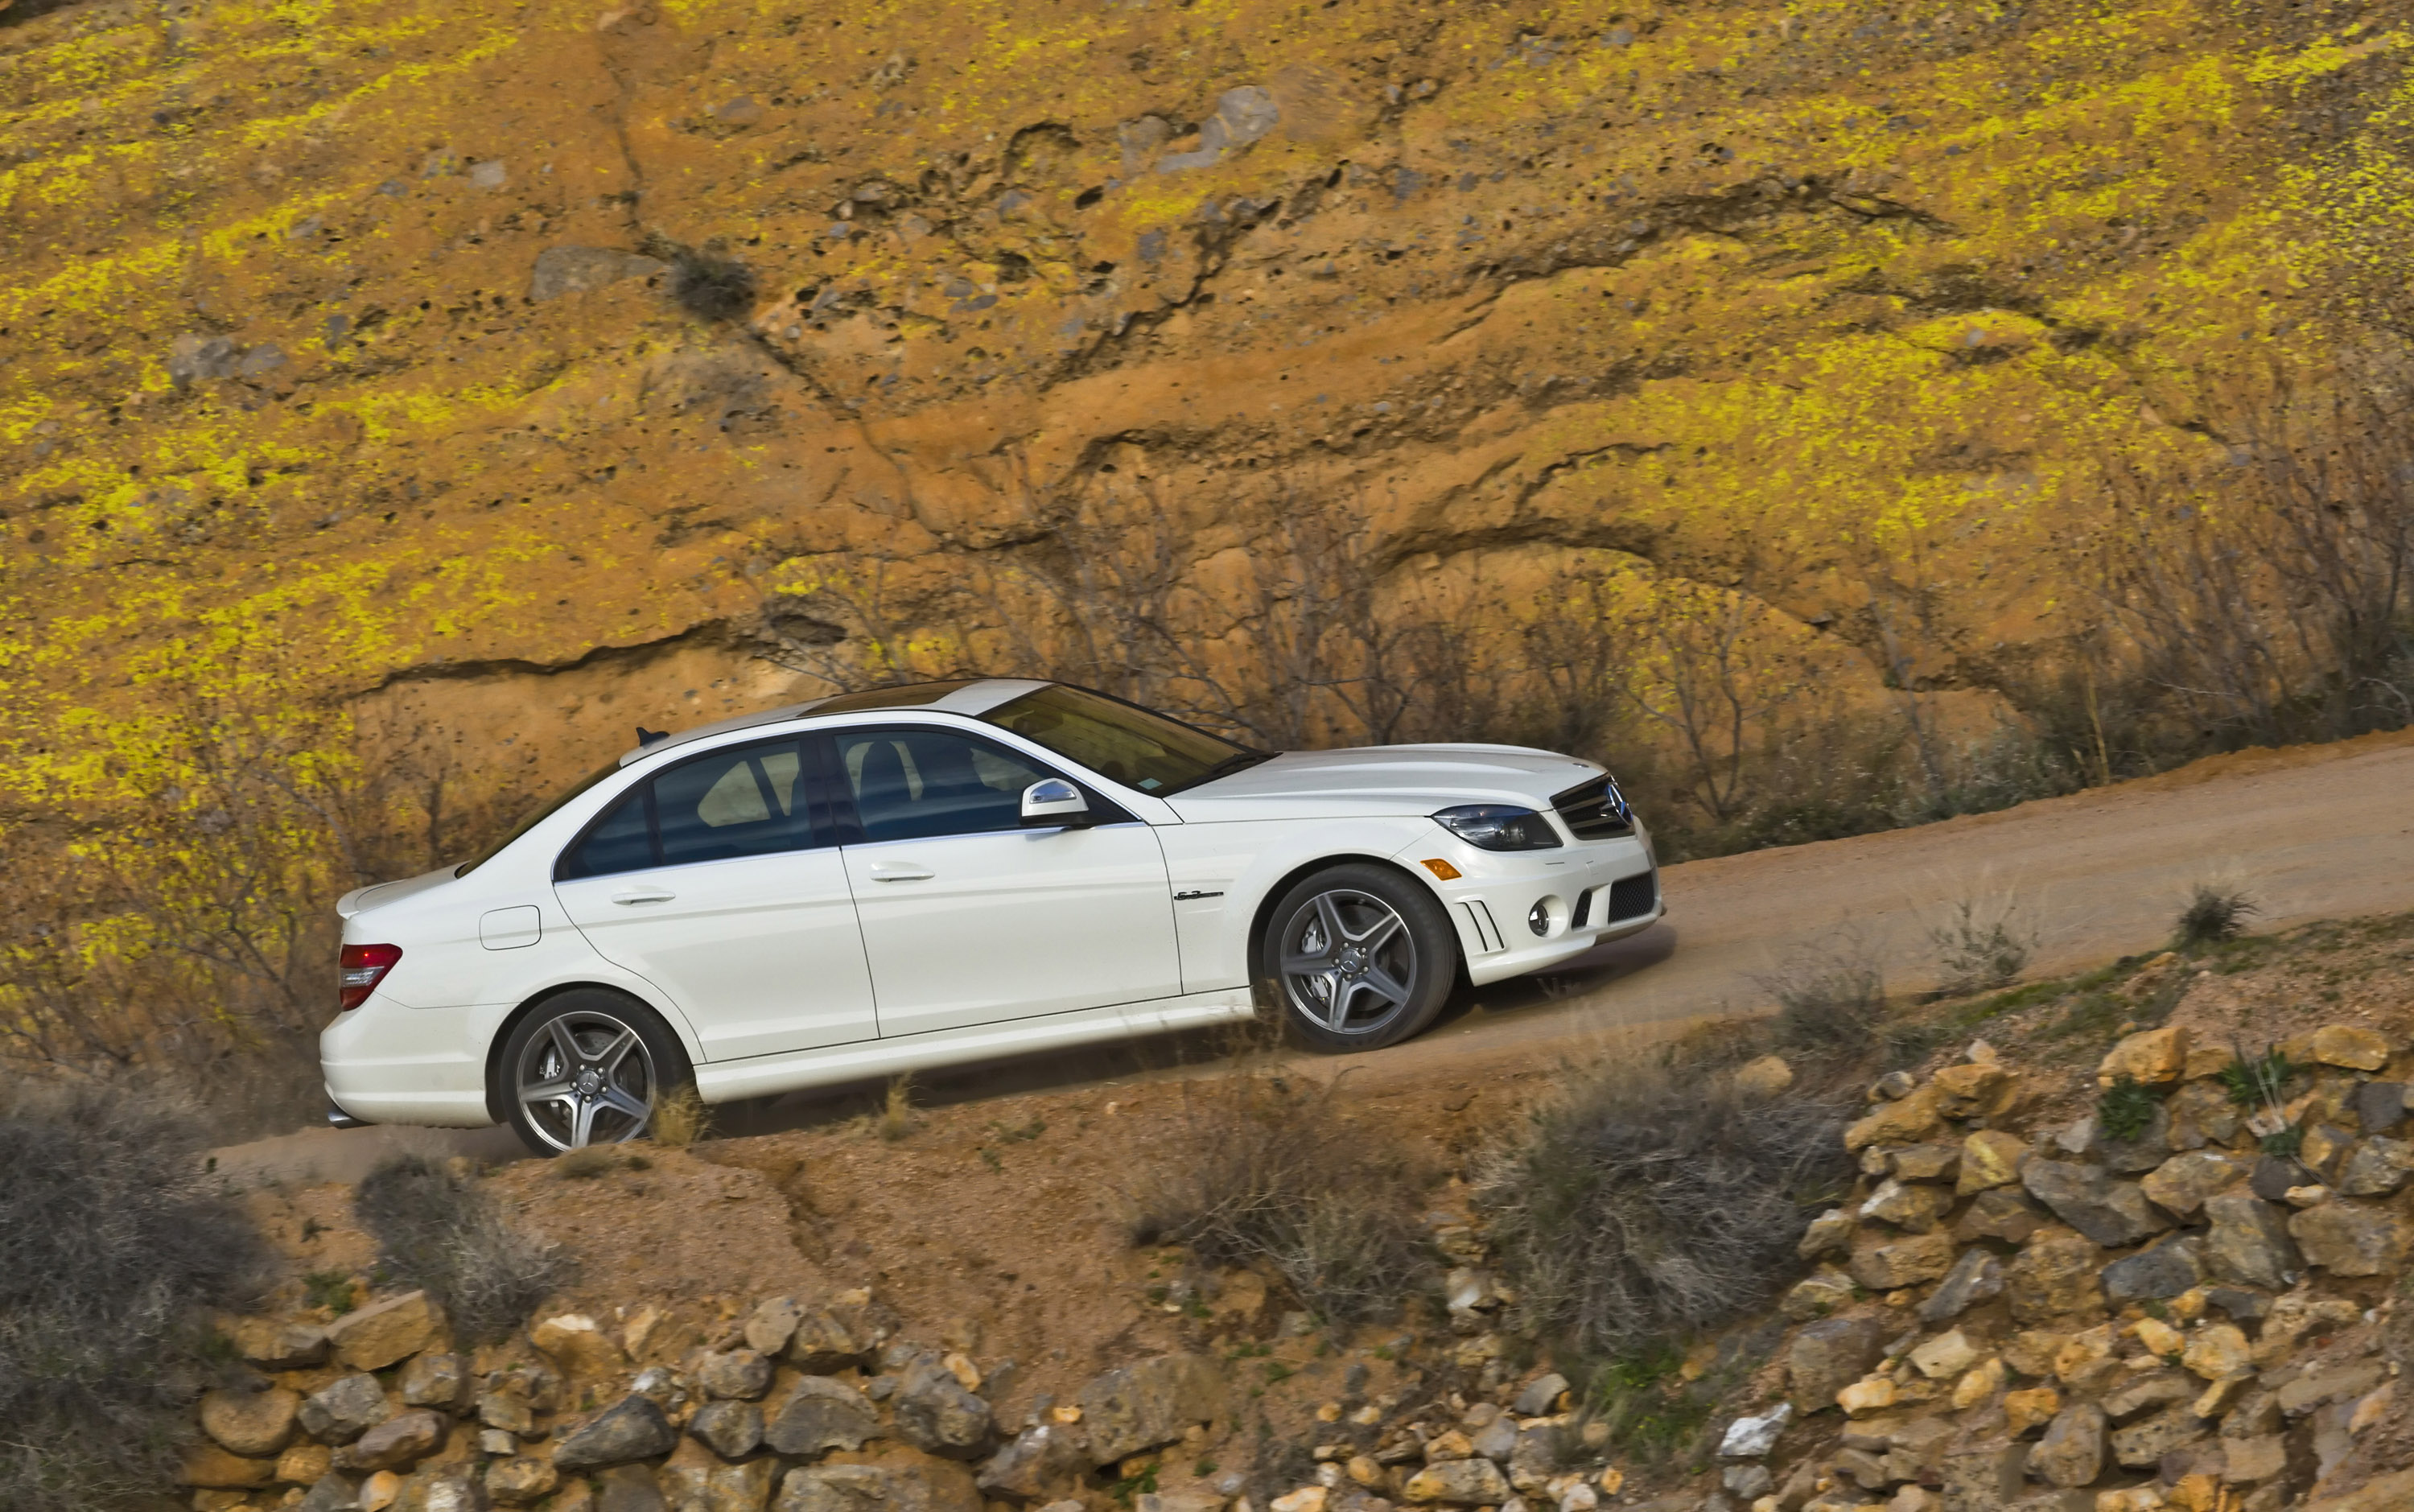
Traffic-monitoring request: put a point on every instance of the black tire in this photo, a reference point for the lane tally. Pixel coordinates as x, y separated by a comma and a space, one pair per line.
627, 1061
1386, 993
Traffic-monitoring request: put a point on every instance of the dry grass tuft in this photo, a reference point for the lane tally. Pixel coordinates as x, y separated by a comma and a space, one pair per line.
680, 1118
896, 1118
1830, 996
1981, 949
2215, 912
439, 1229
1267, 1172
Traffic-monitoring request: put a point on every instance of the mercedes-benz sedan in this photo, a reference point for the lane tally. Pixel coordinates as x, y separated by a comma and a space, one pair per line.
919, 876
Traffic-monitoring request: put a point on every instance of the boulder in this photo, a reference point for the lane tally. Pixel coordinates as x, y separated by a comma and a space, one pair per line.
2351, 1238
343, 1408
398, 1443
2071, 1453
632, 1429
2112, 1213
2054, 1278
2170, 1268
1976, 1277
1828, 1356
1990, 1158
2153, 1056
2378, 1167
927, 1485
731, 1428
2181, 1183
2249, 1242
1458, 1483
821, 1414
439, 1381
2340, 1044
251, 1421
386, 1333
936, 1415
1885, 1264
1145, 1405
742, 1374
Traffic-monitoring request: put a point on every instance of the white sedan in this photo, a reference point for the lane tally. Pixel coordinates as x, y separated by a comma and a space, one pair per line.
918, 877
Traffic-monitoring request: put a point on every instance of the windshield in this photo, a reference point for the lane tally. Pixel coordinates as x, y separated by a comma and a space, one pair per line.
1120, 741
533, 820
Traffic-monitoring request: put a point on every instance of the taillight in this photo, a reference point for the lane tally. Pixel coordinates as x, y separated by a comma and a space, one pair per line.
358, 971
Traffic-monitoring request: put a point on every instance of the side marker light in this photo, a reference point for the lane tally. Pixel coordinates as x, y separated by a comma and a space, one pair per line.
1440, 869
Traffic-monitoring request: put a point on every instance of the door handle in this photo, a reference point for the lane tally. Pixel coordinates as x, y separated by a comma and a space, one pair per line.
648, 896
892, 872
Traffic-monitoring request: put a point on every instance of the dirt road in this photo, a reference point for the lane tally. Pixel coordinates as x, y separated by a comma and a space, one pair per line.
2308, 832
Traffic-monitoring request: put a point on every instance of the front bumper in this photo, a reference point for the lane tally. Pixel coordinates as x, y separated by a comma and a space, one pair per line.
1499, 896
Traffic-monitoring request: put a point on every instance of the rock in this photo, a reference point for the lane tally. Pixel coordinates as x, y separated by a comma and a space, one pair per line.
2339, 1384
507, 1414
209, 1467
2170, 1268
1039, 1458
1831, 1229
448, 1488
579, 1346
821, 1414
520, 1480
250, 1421
572, 270
1449, 1445
1828, 1355
2158, 1388
2202, 1114
398, 1443
2378, 1167
330, 1493
272, 1345
772, 1324
2358, 1050
1541, 1396
535, 1384
2030, 1409
344, 1409
2251, 1459
1916, 1207
2181, 1183
936, 1415
1984, 1477
731, 1428
632, 1429
1145, 1405
2142, 1151
2008, 1214
2218, 1352
2071, 1453
1886, 1264
629, 1489
305, 1463
1869, 1394
1457, 1483
826, 1339
1947, 1353
2379, 1106
927, 1485
1763, 1078
2153, 1056
2112, 1213
1939, 1162
386, 1333
1824, 1291
2323, 1150
439, 1381
2055, 1277
741, 1374
1982, 1089
693, 1481
1978, 1385
2243, 1304
1752, 1438
2273, 1176
2142, 1445
1305, 1499
2351, 1238
2249, 1242
1913, 1121
1990, 1158
1976, 1277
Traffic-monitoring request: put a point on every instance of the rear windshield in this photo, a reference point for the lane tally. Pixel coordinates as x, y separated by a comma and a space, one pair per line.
1119, 740
533, 820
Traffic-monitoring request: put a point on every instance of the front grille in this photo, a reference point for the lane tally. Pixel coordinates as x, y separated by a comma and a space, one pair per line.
1595, 810
1632, 897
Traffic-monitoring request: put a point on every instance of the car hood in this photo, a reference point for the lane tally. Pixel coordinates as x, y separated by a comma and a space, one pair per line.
1384, 779
376, 895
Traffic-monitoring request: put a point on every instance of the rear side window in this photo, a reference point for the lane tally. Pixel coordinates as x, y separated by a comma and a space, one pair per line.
718, 807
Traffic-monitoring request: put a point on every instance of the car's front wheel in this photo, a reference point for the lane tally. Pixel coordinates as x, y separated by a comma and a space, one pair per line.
1359, 957
589, 1067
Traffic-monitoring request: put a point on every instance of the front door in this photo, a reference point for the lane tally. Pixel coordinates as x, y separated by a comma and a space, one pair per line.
712, 881
969, 918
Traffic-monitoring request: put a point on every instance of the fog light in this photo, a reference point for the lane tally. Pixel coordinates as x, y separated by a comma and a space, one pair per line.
1539, 920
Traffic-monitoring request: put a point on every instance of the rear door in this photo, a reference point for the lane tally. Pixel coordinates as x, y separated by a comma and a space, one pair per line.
969, 918
713, 881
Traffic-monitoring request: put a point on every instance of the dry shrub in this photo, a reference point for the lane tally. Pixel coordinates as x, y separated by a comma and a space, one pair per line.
680, 1118
439, 1229
2213, 913
1649, 1202
1266, 1172
1979, 947
895, 1120
1830, 995
111, 1248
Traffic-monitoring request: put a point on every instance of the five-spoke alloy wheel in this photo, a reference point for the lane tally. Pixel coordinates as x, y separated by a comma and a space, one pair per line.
588, 1068
1359, 957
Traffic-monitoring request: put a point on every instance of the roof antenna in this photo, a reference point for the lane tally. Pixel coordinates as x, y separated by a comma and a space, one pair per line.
647, 737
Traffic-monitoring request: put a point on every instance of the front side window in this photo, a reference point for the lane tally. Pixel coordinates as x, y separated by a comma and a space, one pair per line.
916, 784
1118, 741
718, 807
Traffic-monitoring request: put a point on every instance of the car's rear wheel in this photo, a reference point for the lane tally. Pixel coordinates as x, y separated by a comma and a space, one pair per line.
589, 1067
1359, 957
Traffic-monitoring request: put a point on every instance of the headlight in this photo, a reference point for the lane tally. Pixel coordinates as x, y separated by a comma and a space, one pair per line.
1498, 826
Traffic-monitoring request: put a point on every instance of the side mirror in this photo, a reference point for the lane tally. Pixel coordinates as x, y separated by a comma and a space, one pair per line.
1052, 800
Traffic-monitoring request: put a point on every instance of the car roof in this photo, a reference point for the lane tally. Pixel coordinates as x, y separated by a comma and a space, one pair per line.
959, 695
